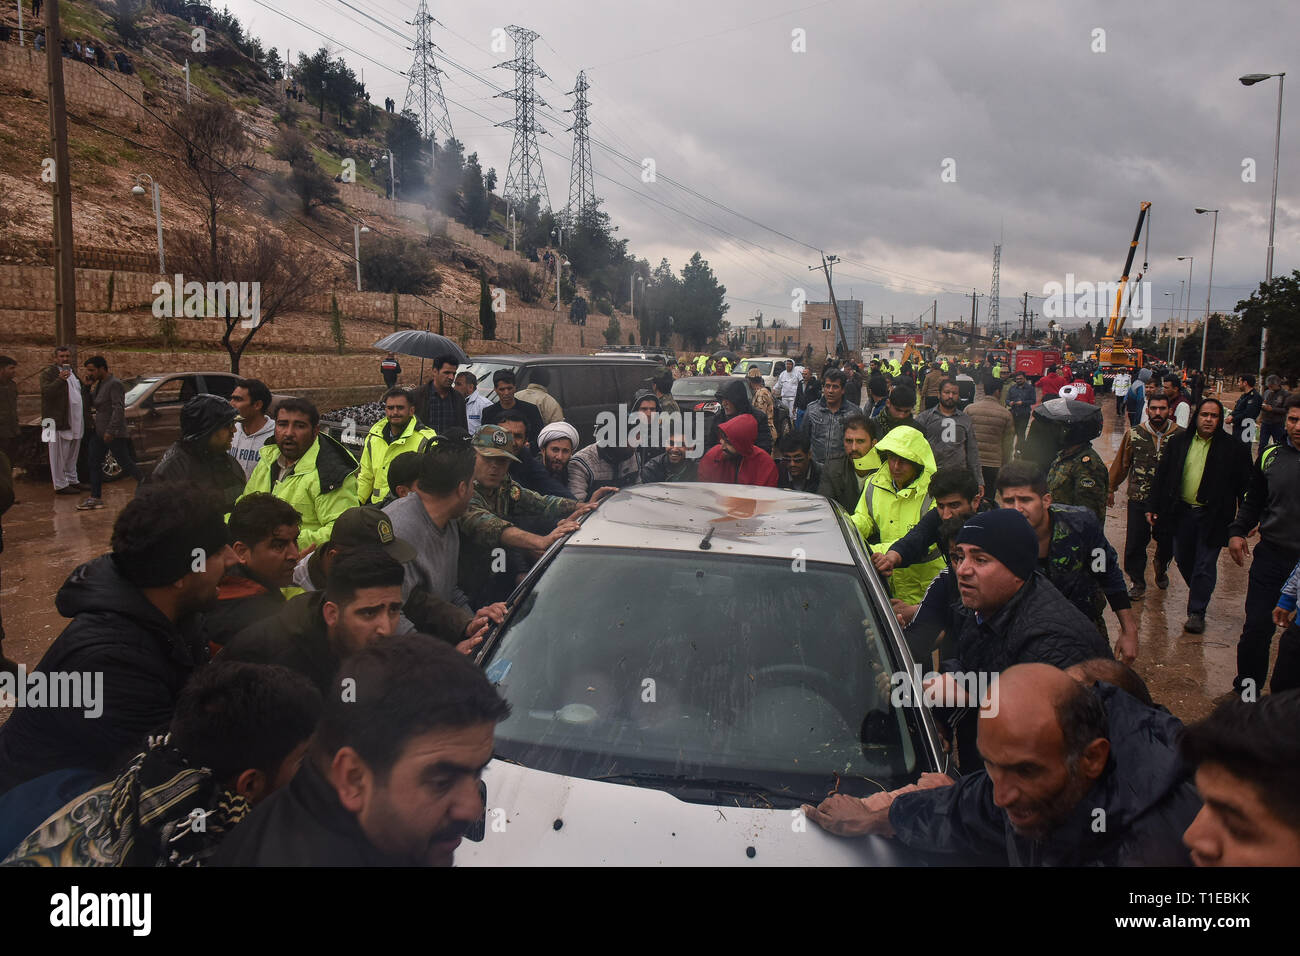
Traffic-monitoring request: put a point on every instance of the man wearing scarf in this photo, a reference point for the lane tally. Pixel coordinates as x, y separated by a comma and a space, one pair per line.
238, 735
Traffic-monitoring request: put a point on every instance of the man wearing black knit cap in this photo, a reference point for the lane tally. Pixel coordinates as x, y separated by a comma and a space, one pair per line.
1010, 613
133, 641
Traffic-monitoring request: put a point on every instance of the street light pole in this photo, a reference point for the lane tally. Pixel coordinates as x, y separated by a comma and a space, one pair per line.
1187, 307
1250, 80
357, 230
557, 281
1209, 285
138, 190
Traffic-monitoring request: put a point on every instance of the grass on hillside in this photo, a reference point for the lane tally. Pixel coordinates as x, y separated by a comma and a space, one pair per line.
199, 77
78, 22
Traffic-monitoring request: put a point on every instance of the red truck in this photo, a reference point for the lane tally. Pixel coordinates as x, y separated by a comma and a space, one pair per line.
1035, 362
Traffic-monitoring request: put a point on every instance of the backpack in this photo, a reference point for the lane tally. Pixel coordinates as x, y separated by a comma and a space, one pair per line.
1134, 399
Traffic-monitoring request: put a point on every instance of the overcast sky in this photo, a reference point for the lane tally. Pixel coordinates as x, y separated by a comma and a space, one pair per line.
842, 146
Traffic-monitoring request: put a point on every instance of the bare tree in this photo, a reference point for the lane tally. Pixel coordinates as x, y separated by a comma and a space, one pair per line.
283, 280
212, 149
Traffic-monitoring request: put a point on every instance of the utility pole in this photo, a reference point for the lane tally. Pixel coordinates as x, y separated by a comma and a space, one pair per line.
423, 87
827, 263
525, 177
582, 195
973, 320
1024, 314
65, 286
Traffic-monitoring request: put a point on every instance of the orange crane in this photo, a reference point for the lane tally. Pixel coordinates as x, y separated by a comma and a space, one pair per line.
1111, 351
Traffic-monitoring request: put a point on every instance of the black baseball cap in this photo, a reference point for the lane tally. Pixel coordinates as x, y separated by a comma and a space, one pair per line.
368, 526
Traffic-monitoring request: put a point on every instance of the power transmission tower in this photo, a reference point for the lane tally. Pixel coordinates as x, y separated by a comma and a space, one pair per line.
995, 325
525, 178
582, 195
424, 89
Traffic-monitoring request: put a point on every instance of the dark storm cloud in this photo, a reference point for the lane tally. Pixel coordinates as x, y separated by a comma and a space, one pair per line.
842, 145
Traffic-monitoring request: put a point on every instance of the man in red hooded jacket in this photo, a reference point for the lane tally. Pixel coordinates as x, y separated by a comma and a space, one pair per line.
735, 460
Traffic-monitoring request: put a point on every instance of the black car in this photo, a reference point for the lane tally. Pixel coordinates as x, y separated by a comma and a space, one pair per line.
584, 385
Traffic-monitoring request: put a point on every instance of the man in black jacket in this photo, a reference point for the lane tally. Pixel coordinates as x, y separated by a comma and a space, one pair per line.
108, 405
437, 403
361, 604
392, 777
1271, 503
264, 537
1246, 410
1010, 612
1055, 753
503, 383
795, 468
201, 456
1199, 480
6, 502
135, 628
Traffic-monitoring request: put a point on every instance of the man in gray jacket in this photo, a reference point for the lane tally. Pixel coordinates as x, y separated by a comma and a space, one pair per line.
426, 519
823, 422
108, 405
951, 433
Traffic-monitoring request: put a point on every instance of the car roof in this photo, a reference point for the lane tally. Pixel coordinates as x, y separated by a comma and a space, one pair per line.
701, 379
560, 359
143, 375
745, 520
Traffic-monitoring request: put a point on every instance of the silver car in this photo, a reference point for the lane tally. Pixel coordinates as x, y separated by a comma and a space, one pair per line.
686, 670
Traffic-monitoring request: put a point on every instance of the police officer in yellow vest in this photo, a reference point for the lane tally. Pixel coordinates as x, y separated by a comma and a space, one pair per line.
398, 432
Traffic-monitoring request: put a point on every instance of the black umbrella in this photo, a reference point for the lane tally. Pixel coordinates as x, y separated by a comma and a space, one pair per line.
1059, 422
1066, 411
422, 344
727, 354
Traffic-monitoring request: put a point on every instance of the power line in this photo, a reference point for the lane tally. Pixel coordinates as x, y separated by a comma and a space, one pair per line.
929, 285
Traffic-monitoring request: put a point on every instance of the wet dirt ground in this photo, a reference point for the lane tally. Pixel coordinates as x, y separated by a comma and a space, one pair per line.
45, 537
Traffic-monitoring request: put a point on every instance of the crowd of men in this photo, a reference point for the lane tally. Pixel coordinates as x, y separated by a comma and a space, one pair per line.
286, 626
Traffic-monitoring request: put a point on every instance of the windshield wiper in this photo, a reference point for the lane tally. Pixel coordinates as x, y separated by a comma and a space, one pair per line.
670, 781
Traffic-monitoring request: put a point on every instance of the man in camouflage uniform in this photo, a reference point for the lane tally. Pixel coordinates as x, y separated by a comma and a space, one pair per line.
1073, 552
494, 550
1139, 454
1077, 476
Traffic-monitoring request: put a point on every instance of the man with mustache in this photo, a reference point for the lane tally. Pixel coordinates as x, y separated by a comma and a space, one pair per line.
1059, 756
392, 776
310, 470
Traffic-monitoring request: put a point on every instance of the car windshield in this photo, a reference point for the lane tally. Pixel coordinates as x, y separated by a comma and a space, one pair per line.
483, 372
698, 388
721, 673
764, 366
135, 389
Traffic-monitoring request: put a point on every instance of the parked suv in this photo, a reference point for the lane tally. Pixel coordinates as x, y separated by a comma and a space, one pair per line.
584, 385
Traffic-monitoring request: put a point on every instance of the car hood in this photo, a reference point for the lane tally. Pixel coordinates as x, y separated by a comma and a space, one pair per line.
535, 818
